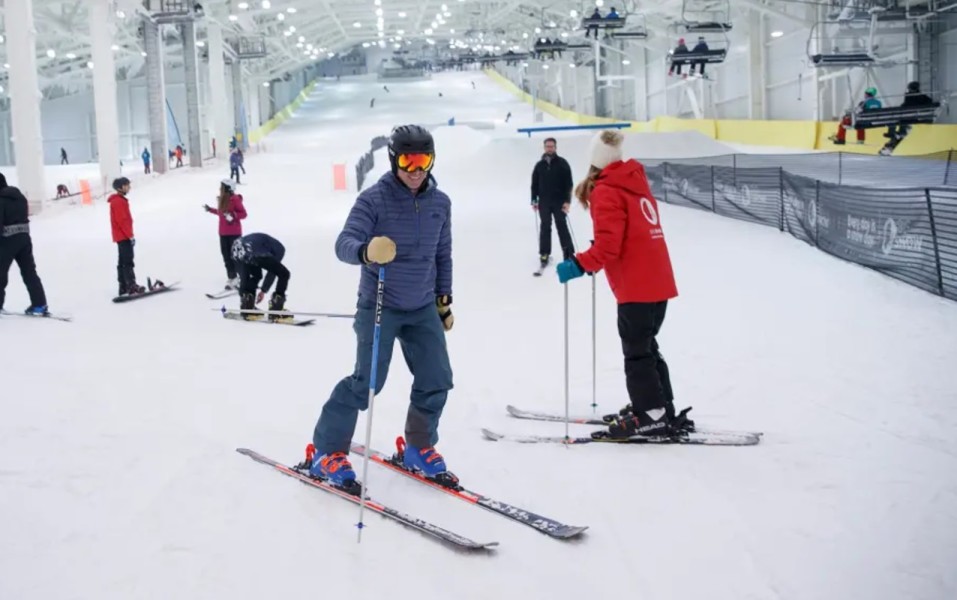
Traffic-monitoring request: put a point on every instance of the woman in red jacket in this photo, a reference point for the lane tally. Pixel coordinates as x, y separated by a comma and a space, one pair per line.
630, 246
231, 211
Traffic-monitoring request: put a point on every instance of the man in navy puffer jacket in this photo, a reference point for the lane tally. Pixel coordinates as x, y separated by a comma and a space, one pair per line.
402, 221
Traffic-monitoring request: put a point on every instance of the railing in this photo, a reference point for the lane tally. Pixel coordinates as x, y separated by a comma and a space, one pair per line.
367, 161
909, 234
531, 130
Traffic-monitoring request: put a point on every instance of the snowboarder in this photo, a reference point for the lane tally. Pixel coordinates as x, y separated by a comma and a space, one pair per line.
63, 157
231, 211
551, 197
122, 224
630, 246
403, 221
146, 160
255, 253
17, 245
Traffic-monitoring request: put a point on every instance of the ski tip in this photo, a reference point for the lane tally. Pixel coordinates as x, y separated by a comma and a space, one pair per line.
513, 410
491, 435
568, 532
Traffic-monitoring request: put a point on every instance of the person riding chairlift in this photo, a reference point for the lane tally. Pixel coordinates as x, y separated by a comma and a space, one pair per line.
870, 102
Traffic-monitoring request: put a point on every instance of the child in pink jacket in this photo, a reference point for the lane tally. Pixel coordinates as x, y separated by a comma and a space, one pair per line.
231, 211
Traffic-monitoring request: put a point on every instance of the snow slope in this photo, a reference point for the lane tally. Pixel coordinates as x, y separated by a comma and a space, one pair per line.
118, 476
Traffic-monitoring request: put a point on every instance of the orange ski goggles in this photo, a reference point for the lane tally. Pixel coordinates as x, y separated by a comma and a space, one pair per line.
415, 162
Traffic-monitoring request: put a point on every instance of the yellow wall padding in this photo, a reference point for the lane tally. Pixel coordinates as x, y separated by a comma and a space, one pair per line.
280, 117
810, 135
924, 139
789, 134
671, 124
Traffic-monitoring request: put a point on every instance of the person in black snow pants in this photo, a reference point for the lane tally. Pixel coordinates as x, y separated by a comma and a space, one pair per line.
16, 245
255, 253
551, 197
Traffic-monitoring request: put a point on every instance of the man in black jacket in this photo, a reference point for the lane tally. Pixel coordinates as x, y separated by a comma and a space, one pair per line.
16, 245
914, 98
551, 197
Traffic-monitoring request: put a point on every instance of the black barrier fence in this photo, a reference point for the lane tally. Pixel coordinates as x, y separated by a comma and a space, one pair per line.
907, 233
937, 168
367, 161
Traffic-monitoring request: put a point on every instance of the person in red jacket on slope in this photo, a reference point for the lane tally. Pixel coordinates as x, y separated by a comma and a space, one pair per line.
122, 224
630, 246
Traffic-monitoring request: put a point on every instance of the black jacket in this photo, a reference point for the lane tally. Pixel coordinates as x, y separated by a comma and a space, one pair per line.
917, 99
13, 209
552, 180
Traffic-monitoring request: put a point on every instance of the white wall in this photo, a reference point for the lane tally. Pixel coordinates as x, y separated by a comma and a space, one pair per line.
69, 121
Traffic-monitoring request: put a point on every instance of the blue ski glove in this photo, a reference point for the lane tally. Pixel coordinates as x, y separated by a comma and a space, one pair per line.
569, 269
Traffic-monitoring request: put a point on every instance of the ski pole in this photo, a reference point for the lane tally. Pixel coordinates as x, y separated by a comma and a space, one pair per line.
380, 291
566, 362
284, 313
594, 348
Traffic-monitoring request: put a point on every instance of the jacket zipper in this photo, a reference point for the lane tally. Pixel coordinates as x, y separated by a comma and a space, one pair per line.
418, 224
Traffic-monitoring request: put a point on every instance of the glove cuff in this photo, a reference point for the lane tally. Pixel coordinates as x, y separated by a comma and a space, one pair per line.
363, 258
443, 300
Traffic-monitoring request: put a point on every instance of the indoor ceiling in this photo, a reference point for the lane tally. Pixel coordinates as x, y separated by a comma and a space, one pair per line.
300, 32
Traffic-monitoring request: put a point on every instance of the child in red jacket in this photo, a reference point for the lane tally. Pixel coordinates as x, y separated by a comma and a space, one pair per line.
231, 211
122, 223
630, 246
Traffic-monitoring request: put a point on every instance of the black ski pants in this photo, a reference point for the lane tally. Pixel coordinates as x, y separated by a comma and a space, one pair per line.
252, 273
226, 247
125, 274
548, 211
19, 248
646, 372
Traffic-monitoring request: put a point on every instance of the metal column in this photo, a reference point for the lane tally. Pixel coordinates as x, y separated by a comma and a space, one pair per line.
221, 128
757, 69
239, 107
191, 72
25, 100
104, 92
156, 96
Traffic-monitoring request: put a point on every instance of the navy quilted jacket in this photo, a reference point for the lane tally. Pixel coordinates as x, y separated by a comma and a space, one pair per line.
420, 226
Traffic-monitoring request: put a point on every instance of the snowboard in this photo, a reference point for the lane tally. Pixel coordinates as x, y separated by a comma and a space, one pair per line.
222, 294
166, 287
294, 322
52, 316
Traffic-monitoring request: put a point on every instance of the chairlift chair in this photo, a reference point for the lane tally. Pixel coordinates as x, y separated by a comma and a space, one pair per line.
706, 16
637, 29
851, 46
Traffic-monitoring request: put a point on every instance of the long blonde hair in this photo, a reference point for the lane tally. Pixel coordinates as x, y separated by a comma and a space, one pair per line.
224, 196
586, 185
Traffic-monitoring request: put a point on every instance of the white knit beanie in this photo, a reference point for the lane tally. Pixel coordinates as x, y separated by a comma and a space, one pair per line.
605, 148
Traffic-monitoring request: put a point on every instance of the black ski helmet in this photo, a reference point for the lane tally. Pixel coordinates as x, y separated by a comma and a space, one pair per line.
913, 87
409, 139
120, 182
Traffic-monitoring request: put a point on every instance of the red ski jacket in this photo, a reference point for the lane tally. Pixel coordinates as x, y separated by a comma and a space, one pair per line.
120, 218
629, 242
229, 222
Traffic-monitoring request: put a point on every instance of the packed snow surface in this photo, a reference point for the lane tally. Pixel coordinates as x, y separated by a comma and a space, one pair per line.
119, 479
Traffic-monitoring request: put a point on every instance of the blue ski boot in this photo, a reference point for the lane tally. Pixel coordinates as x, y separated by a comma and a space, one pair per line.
426, 462
333, 468
37, 311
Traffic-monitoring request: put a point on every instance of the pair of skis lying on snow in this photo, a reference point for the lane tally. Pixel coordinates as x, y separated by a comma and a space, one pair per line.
550, 527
